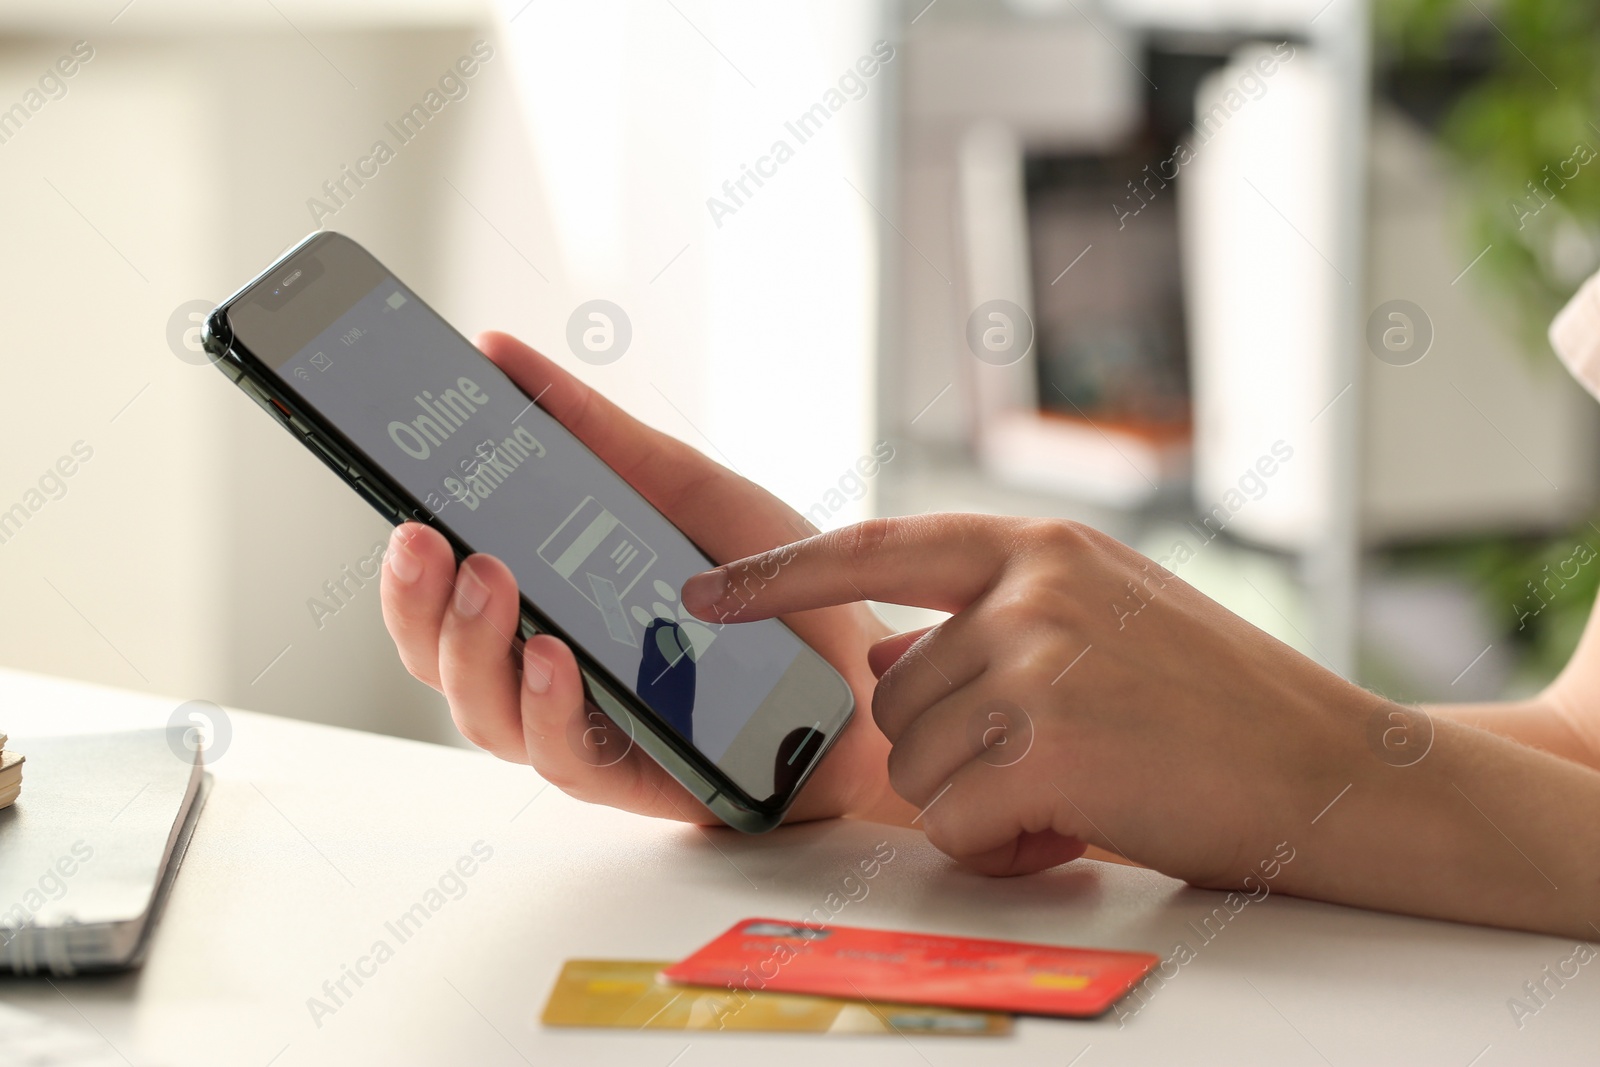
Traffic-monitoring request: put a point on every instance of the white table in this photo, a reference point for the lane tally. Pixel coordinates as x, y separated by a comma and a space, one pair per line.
315, 837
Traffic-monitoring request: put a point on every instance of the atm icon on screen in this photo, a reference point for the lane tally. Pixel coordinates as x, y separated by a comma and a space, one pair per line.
602, 559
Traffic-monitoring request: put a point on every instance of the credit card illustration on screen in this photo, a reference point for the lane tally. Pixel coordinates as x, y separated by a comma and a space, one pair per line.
595, 551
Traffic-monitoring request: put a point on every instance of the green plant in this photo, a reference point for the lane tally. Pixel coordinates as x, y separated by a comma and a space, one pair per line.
1519, 133
1539, 589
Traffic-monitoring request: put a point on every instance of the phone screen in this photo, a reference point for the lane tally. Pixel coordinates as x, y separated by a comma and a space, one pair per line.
445, 423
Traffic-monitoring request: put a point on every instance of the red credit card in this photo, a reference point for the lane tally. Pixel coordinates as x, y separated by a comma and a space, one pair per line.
955, 972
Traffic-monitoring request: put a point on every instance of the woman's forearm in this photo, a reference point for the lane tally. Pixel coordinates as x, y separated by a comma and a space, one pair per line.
1481, 829
1541, 722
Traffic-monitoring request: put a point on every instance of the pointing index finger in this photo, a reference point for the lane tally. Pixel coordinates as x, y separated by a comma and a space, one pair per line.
942, 562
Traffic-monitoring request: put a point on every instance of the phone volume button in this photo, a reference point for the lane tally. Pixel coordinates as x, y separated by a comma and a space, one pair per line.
386, 509
323, 450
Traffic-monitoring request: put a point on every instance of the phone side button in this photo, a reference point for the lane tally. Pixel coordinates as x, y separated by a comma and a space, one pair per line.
322, 450
385, 509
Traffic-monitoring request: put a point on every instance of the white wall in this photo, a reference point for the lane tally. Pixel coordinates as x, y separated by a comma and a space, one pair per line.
185, 552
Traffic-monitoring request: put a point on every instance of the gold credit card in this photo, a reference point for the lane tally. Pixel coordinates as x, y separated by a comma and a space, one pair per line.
627, 994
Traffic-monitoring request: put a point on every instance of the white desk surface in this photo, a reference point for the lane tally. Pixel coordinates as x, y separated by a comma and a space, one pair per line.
314, 837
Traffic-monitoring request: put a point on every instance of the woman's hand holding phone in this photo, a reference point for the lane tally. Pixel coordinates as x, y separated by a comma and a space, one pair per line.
454, 628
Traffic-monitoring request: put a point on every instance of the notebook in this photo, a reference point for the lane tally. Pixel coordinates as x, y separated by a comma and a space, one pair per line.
88, 852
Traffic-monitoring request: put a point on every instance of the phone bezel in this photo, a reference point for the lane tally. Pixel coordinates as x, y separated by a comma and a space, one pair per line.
691, 768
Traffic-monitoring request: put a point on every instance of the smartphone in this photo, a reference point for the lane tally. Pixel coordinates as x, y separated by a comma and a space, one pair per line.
425, 427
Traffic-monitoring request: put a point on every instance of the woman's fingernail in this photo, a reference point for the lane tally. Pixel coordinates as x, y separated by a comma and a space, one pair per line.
701, 593
537, 672
471, 593
402, 562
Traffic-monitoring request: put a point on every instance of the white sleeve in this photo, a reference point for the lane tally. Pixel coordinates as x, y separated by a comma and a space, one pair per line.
1575, 335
